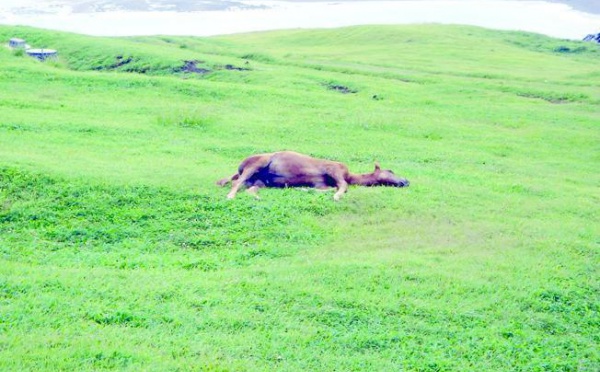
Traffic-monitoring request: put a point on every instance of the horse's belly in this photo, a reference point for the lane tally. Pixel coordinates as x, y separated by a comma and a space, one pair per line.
297, 181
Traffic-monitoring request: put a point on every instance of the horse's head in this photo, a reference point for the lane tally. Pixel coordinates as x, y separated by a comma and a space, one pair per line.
388, 178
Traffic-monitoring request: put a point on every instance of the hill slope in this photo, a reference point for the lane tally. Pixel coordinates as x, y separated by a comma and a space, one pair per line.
118, 252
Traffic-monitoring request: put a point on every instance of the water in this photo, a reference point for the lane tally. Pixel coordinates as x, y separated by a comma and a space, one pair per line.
214, 17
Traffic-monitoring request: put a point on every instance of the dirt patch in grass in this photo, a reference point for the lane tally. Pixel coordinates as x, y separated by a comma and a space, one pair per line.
341, 88
234, 68
192, 67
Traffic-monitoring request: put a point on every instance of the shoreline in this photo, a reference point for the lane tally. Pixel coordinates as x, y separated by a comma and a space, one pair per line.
555, 18
585, 6
86, 7
580, 5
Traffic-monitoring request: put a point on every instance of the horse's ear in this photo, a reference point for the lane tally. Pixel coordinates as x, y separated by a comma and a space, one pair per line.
377, 167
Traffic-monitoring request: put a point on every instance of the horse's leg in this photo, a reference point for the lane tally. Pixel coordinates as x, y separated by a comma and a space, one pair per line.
340, 184
235, 185
248, 172
253, 189
226, 180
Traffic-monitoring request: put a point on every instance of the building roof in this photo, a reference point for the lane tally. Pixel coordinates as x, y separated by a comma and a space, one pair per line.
41, 51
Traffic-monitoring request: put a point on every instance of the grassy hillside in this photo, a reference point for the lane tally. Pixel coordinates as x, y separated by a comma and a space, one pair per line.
118, 252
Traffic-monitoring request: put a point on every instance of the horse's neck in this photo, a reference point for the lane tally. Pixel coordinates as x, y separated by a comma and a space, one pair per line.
361, 179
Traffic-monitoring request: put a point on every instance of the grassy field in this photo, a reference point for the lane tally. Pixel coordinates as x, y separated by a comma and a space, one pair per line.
118, 252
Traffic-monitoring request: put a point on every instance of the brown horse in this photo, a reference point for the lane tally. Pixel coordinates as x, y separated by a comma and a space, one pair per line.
291, 169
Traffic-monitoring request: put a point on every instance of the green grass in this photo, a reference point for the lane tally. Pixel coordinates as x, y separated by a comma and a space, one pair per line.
118, 252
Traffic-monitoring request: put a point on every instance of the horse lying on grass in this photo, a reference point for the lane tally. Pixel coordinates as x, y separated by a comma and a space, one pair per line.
291, 169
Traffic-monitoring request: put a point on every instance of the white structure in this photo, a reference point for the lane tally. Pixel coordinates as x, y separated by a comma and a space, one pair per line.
42, 54
17, 43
